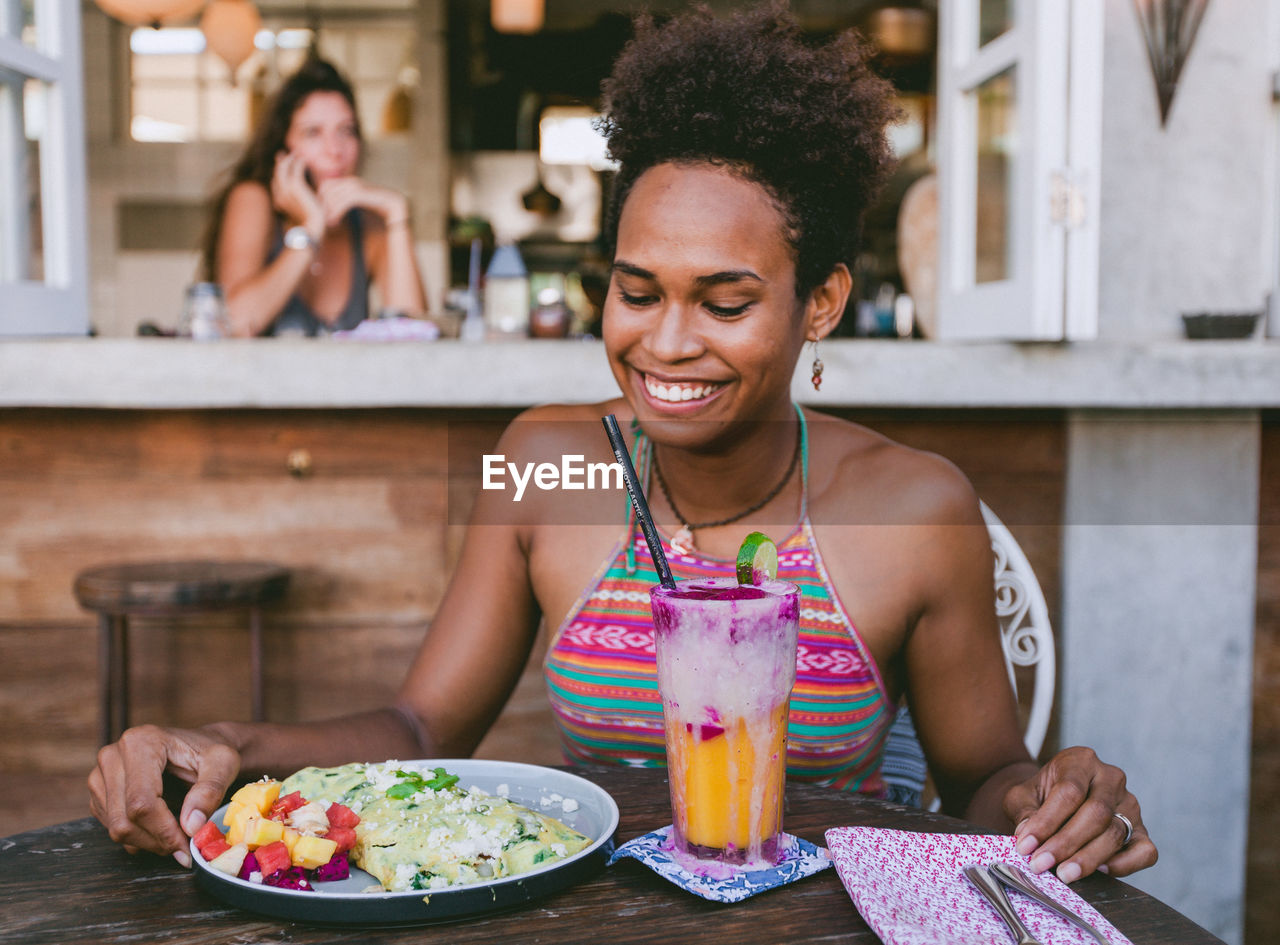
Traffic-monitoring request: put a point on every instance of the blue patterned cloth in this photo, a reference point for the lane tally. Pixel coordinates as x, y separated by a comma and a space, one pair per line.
719, 881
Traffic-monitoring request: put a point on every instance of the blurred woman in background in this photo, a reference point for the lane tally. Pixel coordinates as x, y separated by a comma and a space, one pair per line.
296, 237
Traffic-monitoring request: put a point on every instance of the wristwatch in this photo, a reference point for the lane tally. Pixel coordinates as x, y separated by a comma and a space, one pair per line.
297, 237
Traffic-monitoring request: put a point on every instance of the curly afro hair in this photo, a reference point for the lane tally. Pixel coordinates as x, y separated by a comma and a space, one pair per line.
805, 122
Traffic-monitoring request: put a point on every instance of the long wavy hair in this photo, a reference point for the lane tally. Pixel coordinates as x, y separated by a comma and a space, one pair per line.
258, 161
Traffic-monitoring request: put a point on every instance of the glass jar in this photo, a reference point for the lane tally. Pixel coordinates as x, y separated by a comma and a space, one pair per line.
506, 292
204, 313
550, 317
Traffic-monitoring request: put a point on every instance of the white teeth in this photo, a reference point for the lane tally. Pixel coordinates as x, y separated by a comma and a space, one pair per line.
675, 393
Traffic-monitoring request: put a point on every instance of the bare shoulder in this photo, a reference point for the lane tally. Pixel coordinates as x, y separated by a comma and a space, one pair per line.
249, 197
246, 233
561, 428
858, 472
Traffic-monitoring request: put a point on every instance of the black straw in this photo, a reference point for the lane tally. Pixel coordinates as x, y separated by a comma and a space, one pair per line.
638, 500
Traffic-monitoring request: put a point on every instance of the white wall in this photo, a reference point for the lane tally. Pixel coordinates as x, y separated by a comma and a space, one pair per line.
1185, 208
1158, 595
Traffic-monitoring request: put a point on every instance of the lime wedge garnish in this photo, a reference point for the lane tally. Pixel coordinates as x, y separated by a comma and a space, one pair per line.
757, 559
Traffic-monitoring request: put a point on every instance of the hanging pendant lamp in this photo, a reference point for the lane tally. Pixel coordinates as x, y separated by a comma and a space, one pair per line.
517, 16
229, 28
154, 13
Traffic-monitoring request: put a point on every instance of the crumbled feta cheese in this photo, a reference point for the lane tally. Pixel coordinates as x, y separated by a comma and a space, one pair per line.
504, 790
559, 849
382, 776
405, 872
569, 805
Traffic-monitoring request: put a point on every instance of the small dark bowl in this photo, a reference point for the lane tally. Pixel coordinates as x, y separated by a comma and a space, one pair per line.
1219, 324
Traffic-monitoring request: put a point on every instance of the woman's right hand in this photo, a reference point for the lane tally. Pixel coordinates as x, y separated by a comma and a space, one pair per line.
293, 196
126, 787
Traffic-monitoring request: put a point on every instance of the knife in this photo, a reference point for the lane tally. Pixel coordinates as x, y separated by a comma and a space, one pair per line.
1015, 878
993, 892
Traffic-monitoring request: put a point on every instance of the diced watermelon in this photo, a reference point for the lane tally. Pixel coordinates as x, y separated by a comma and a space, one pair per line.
337, 868
249, 867
285, 805
214, 848
340, 815
272, 858
206, 833
344, 837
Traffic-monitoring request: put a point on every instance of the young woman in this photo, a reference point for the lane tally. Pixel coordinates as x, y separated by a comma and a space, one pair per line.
747, 158
296, 237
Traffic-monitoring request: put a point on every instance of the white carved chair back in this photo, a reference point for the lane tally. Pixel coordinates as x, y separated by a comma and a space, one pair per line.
1025, 633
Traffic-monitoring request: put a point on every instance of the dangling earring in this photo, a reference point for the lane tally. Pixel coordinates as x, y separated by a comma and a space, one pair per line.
817, 367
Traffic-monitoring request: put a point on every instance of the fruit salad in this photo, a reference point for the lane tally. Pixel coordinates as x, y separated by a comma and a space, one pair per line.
279, 840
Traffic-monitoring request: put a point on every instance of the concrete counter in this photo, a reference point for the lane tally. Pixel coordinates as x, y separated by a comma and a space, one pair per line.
146, 373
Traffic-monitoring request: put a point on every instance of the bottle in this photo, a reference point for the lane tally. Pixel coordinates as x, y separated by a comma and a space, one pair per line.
472, 327
904, 315
204, 313
506, 292
550, 318
885, 326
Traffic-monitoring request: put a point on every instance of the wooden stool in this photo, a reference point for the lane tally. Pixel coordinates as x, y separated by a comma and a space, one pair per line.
170, 589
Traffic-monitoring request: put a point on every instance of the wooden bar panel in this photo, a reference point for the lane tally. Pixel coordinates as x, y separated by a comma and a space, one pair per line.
366, 533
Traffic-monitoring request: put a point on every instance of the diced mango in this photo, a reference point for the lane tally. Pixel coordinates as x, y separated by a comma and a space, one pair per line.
310, 852
238, 813
259, 831
260, 795
290, 838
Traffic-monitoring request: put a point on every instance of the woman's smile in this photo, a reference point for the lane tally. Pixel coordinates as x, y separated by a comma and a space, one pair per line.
693, 393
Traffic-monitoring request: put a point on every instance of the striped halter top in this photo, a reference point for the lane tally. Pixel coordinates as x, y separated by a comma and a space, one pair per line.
602, 678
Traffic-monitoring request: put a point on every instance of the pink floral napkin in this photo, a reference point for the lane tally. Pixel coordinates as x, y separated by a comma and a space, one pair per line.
910, 889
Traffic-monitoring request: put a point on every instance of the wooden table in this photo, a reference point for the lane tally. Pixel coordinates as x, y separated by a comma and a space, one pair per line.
70, 883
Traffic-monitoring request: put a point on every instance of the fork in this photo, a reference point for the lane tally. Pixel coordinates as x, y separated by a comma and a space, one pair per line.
993, 892
1015, 878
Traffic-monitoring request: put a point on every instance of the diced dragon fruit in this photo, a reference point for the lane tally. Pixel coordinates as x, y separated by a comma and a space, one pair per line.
292, 878
250, 865
339, 867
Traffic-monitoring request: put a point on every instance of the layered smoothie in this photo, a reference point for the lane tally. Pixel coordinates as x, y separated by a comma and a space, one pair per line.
726, 656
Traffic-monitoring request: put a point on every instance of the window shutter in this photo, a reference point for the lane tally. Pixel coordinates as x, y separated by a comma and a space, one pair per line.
43, 205
1017, 208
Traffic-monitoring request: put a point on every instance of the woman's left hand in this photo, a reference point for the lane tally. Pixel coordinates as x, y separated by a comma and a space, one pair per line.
339, 195
1069, 817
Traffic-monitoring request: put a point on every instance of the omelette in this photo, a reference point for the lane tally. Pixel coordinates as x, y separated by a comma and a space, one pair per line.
419, 830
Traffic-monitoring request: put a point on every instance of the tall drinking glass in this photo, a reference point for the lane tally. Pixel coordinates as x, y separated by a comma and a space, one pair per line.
726, 658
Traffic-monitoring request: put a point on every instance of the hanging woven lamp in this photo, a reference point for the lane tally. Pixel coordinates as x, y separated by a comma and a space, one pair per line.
155, 13
229, 28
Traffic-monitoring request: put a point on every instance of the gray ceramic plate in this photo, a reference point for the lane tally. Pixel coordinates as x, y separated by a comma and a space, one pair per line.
346, 903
